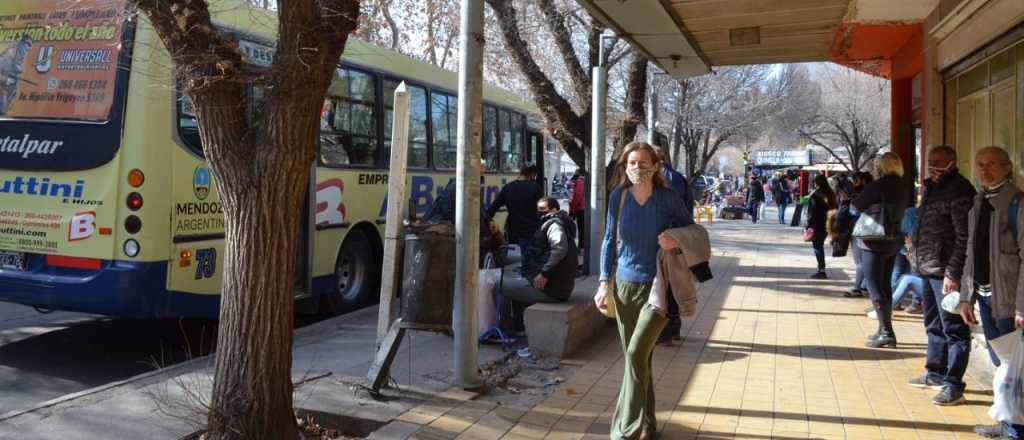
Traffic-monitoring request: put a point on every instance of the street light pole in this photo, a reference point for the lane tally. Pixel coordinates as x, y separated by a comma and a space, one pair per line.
467, 186
597, 157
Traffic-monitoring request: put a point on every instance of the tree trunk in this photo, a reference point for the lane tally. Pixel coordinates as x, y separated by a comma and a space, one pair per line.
636, 91
261, 169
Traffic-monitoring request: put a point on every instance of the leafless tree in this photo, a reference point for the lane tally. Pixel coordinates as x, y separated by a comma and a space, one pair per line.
853, 121
260, 163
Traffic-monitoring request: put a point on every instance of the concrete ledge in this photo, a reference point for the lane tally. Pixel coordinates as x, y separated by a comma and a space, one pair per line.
558, 329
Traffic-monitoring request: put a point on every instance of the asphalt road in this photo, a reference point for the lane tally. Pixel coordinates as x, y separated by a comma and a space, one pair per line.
45, 356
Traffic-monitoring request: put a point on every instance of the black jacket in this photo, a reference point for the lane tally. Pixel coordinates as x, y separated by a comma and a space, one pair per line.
544, 256
939, 245
755, 192
520, 197
893, 189
817, 213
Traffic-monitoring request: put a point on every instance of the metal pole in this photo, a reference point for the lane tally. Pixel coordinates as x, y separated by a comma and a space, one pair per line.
652, 116
597, 164
467, 185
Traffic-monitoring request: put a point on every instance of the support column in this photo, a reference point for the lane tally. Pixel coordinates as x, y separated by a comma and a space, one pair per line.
597, 167
902, 136
467, 186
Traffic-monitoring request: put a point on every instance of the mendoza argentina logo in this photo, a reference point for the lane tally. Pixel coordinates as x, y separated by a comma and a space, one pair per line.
33, 186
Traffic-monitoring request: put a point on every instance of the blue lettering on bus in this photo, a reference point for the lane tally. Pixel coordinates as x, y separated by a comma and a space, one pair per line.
423, 192
42, 187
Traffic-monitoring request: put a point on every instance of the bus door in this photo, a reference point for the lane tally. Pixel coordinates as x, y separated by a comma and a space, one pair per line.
535, 155
303, 277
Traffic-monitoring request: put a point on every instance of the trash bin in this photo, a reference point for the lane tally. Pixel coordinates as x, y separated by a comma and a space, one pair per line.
428, 278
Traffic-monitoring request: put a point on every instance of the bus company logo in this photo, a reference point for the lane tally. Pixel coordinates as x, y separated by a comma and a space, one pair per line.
201, 183
44, 59
82, 226
26, 146
34, 186
329, 208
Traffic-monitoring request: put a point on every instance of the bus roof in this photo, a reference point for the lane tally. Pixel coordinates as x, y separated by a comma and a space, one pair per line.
242, 16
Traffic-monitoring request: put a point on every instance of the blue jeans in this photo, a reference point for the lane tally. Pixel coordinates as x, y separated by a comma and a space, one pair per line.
858, 279
903, 280
949, 338
524, 253
994, 328
755, 209
782, 213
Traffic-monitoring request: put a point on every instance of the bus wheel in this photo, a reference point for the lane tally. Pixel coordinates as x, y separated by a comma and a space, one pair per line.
355, 280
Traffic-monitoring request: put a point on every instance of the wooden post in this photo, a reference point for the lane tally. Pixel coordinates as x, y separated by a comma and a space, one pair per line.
397, 208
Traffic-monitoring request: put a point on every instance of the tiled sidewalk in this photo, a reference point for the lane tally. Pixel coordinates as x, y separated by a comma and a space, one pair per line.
770, 355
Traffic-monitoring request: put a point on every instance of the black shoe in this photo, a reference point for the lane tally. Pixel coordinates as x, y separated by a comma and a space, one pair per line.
992, 431
881, 341
854, 293
925, 382
949, 396
819, 275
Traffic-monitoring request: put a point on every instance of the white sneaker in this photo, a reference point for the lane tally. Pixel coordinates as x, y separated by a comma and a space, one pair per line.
873, 315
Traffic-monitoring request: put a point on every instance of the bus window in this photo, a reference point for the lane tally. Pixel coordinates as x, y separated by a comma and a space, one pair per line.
348, 125
511, 127
489, 152
417, 124
444, 116
188, 126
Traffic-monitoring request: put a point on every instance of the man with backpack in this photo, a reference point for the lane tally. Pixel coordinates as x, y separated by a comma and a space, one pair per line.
990, 275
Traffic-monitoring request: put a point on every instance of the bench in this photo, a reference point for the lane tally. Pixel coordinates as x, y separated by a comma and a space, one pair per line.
558, 329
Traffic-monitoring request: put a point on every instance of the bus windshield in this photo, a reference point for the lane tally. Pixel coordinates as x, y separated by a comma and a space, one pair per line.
59, 59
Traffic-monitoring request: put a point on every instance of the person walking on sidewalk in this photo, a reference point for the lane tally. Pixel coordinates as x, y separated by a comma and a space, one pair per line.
992, 268
781, 194
878, 255
939, 249
520, 196
822, 200
629, 256
755, 197
676, 182
578, 204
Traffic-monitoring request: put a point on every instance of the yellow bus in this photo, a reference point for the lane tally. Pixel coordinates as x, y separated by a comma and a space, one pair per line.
107, 205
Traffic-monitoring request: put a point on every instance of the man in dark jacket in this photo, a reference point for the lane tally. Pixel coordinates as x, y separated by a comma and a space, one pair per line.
520, 197
939, 249
755, 197
549, 274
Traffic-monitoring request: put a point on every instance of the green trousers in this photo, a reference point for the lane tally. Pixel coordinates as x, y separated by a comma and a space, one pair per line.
639, 327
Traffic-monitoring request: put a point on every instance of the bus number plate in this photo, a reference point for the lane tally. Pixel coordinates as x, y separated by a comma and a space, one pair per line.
12, 260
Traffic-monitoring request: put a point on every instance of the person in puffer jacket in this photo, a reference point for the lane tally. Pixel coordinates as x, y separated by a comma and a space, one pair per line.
939, 251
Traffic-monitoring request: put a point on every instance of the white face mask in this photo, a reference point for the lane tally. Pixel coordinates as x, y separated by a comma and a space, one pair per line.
639, 176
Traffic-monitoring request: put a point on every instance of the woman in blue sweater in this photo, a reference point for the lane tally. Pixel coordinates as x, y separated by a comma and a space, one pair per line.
648, 209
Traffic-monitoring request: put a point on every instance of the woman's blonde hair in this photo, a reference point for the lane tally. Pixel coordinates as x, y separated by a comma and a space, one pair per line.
619, 176
890, 163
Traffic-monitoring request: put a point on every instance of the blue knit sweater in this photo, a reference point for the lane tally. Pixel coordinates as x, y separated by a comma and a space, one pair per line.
638, 254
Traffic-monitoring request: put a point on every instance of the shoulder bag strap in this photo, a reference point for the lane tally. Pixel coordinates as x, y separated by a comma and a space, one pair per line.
618, 222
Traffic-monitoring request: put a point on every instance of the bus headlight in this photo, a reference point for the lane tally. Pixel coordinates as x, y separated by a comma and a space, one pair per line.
131, 247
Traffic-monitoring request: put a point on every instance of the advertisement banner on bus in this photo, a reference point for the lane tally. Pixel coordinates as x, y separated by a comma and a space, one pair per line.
58, 60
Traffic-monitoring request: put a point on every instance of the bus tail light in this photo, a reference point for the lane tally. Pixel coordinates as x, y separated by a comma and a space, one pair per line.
72, 262
136, 178
134, 201
186, 258
132, 224
131, 247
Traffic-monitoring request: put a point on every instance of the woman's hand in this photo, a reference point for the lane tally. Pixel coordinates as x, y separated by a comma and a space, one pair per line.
667, 242
601, 297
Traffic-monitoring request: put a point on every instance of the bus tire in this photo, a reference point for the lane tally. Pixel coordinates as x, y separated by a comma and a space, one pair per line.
356, 276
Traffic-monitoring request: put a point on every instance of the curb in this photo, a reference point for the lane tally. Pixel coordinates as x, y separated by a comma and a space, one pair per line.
304, 332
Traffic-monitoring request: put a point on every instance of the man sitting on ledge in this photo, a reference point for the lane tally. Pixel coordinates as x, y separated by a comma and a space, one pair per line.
550, 269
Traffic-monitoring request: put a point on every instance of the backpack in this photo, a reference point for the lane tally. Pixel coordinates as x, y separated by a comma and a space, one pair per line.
1013, 212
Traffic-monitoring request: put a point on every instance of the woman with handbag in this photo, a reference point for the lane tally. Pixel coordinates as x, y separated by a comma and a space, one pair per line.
640, 208
822, 201
877, 233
